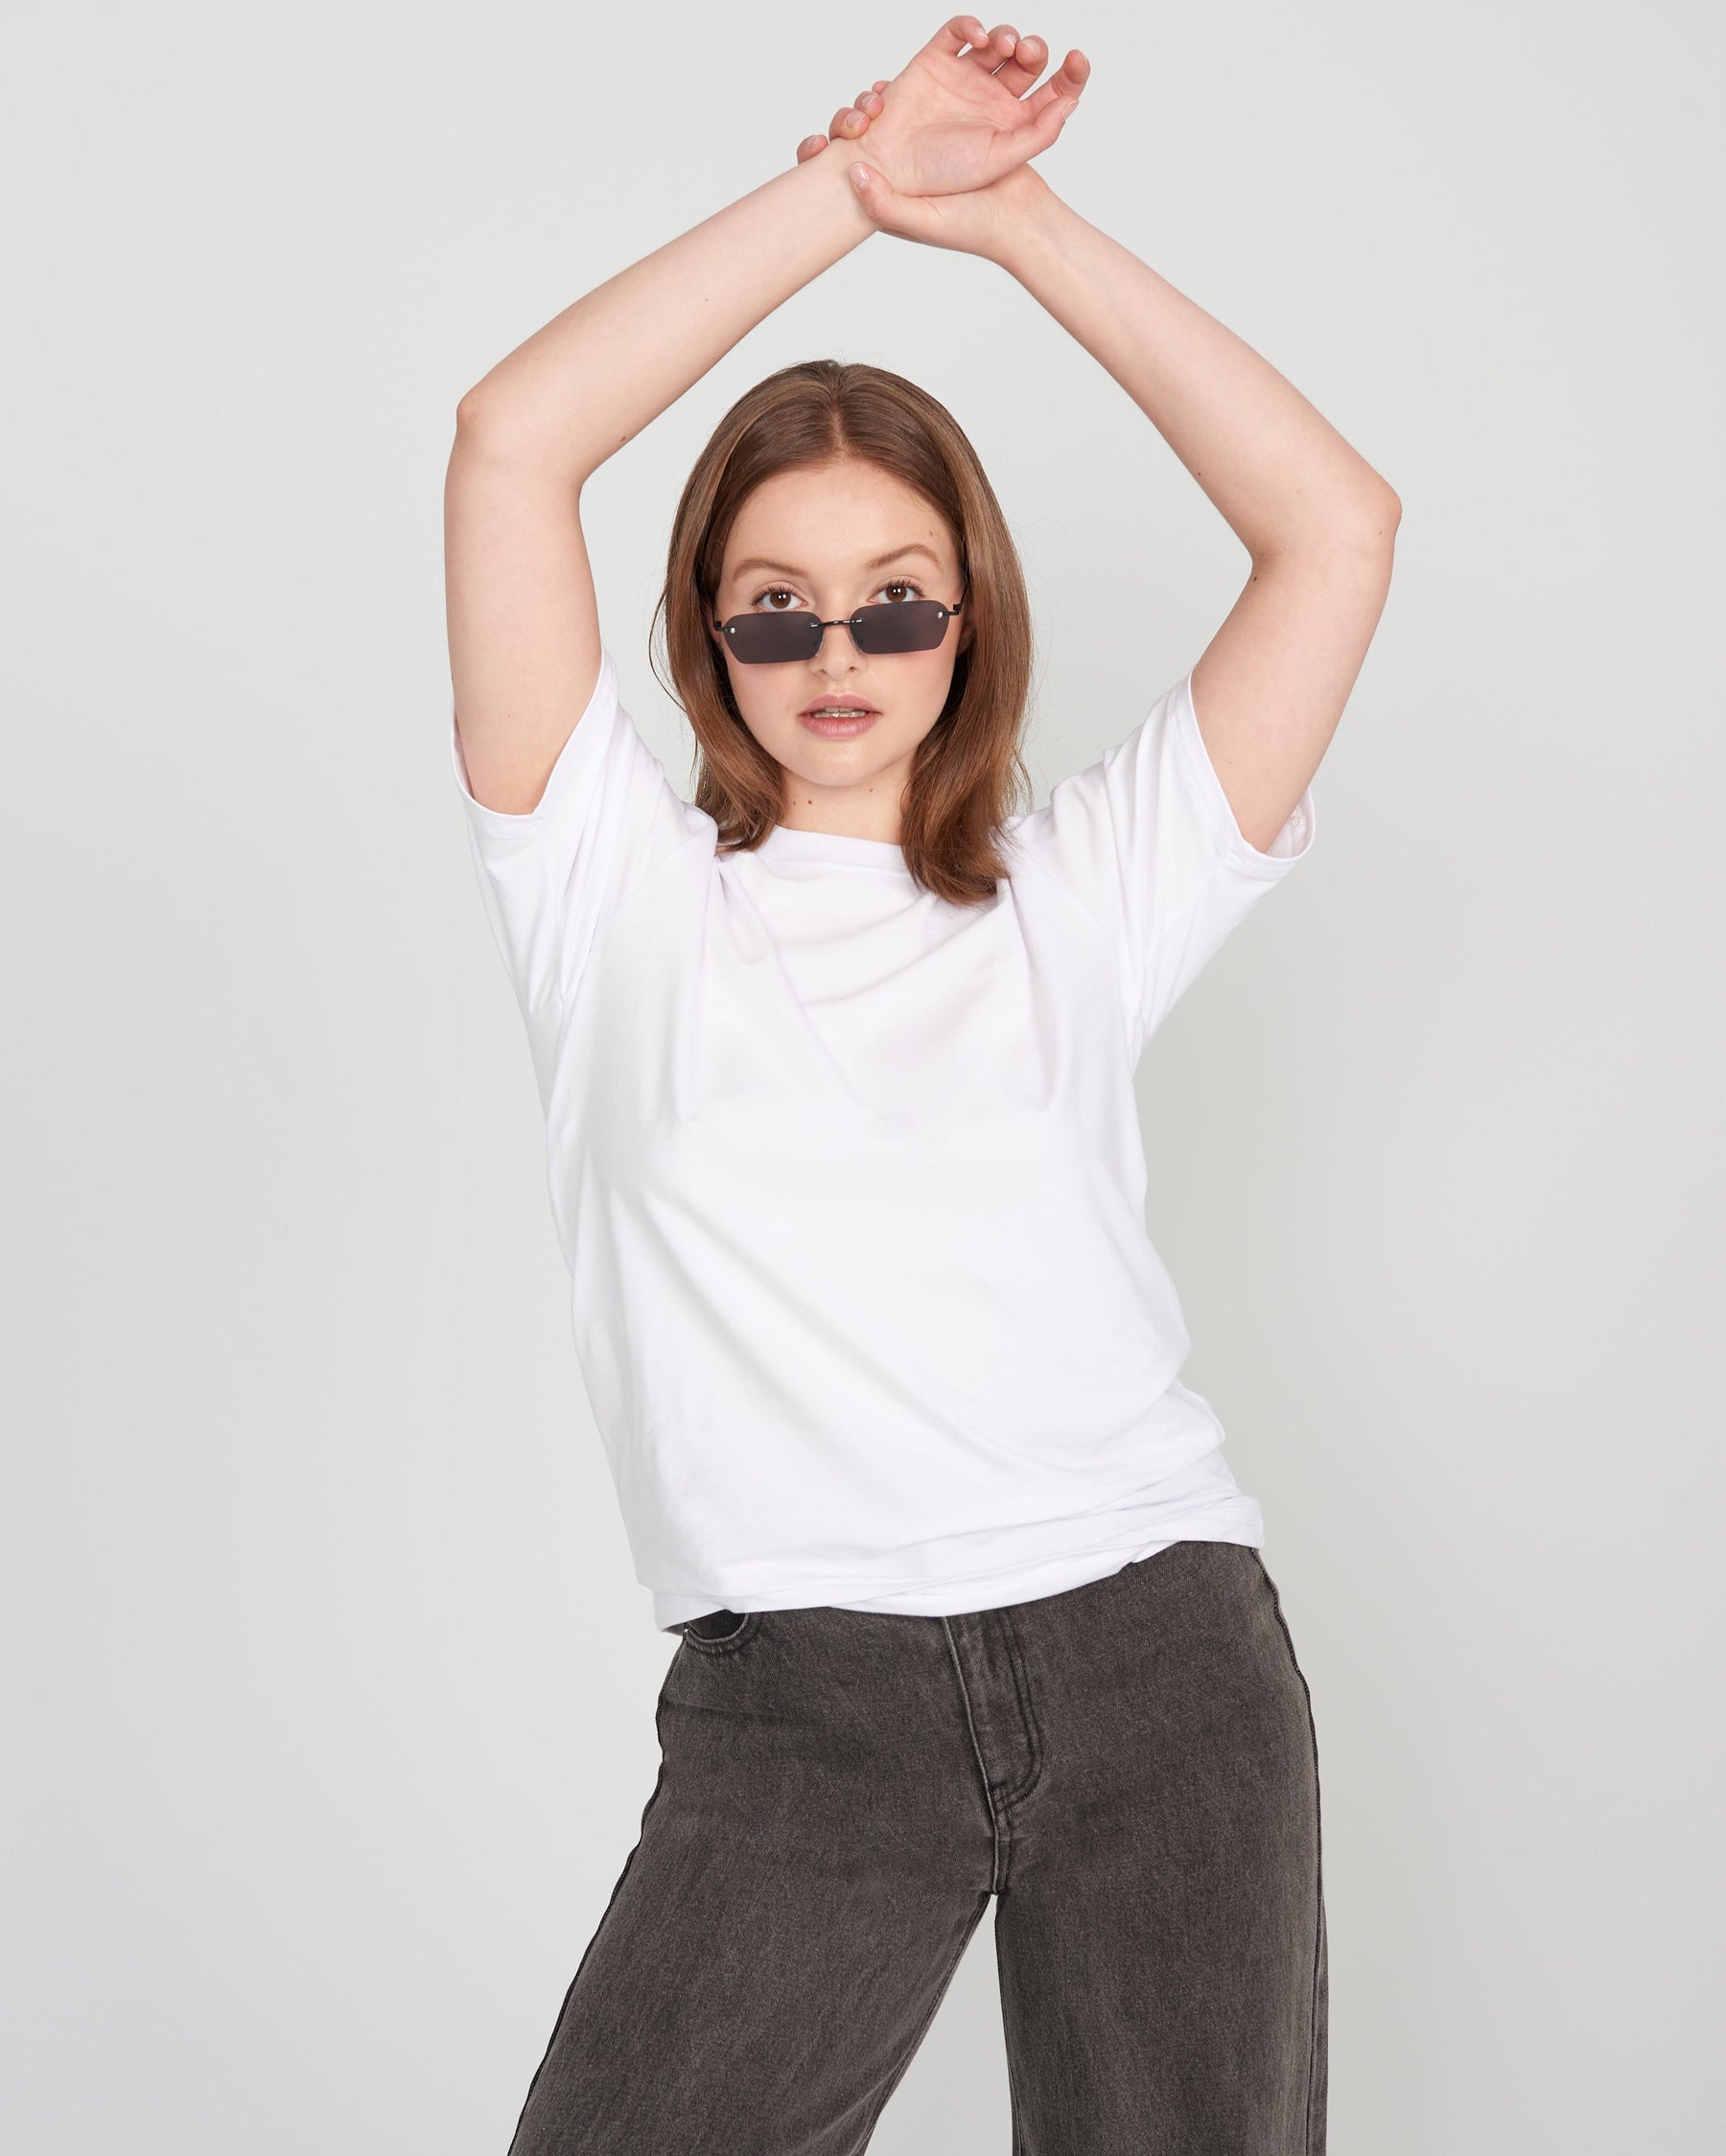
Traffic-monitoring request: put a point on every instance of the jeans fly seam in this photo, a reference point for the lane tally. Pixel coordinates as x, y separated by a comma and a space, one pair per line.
1021, 1686
995, 1823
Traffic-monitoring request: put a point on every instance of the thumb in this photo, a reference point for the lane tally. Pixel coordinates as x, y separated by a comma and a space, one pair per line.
904, 214
1034, 135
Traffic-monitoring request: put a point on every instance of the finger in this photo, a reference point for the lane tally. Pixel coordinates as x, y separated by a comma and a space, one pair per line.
846, 123
1029, 56
955, 34
892, 212
1017, 146
1034, 135
811, 145
869, 187
994, 49
1067, 81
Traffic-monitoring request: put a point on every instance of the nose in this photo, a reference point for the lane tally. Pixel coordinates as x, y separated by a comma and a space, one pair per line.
838, 648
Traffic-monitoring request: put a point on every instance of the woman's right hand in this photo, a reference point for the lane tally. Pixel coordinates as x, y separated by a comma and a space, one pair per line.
525, 650
847, 123
954, 119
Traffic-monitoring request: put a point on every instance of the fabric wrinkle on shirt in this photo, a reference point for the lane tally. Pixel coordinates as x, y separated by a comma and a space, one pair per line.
851, 1181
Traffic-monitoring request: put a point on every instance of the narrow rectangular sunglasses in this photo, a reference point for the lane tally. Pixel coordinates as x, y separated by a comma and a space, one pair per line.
775, 639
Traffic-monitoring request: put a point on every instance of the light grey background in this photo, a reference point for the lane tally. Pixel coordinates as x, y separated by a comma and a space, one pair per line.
330, 1696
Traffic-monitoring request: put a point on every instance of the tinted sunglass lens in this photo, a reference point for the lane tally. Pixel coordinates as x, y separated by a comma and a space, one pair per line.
914, 625
767, 639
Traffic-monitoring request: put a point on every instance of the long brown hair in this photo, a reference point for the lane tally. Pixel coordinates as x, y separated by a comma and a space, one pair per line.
967, 776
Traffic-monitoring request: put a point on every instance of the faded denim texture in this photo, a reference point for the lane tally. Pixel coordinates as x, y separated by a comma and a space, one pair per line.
1131, 1767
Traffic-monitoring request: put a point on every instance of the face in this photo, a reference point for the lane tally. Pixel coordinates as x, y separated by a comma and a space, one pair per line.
827, 540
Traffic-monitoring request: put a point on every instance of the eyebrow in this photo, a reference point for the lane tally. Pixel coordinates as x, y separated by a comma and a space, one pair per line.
785, 569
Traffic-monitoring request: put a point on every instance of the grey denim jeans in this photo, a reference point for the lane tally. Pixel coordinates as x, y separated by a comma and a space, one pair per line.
1128, 1769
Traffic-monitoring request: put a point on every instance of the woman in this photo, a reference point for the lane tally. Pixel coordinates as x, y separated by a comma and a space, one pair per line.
845, 1160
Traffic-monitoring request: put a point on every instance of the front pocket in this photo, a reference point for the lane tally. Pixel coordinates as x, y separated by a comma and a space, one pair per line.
720, 1630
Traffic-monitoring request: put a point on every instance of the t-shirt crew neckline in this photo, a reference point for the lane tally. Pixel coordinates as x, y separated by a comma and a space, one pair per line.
791, 843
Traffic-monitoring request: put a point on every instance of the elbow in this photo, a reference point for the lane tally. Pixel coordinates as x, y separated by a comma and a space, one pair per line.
492, 417
1357, 525
1369, 525
475, 415
1387, 514
488, 431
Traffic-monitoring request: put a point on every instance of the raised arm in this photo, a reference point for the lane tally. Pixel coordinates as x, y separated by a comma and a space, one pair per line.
1317, 520
525, 639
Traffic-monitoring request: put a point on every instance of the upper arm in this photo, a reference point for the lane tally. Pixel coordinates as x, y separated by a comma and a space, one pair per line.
1145, 840
523, 627
1272, 684
567, 809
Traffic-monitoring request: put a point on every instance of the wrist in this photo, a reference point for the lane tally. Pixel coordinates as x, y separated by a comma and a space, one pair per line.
1033, 214
828, 179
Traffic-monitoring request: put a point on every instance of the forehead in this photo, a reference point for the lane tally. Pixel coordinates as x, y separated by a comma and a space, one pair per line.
836, 520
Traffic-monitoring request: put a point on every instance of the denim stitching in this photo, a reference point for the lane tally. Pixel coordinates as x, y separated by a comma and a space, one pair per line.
1016, 2101
1319, 1846
922, 2027
994, 1821
587, 1951
1021, 1686
1318, 1930
728, 1642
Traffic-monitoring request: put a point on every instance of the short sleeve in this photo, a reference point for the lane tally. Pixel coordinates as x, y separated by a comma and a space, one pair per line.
552, 878
1147, 844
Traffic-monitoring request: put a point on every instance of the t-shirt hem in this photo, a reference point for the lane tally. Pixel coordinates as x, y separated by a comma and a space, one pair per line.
1291, 845
988, 1590
582, 750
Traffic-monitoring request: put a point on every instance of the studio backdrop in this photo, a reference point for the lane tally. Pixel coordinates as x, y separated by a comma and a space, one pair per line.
329, 1682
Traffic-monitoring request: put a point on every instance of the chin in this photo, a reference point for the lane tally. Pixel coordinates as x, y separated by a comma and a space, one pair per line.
848, 762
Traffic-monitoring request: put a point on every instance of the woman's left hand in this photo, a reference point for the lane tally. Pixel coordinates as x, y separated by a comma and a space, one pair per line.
977, 220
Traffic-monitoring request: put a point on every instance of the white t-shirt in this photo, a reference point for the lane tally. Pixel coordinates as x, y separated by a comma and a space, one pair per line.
850, 1180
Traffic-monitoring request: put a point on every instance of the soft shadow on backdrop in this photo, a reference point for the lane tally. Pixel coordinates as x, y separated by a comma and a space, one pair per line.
331, 1685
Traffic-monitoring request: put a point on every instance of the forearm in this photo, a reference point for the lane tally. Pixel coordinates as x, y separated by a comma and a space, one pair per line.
577, 390
1280, 473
